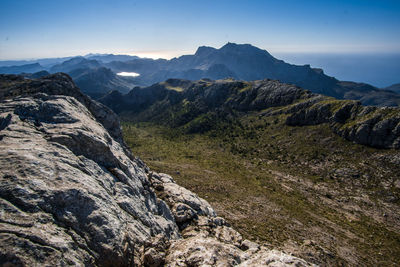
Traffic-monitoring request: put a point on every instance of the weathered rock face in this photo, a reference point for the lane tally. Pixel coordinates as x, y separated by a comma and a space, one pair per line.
207, 239
372, 126
69, 191
72, 194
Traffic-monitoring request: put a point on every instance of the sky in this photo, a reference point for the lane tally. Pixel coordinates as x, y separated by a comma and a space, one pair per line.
167, 28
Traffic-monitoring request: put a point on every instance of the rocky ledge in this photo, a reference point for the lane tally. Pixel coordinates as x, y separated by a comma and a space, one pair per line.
71, 193
372, 126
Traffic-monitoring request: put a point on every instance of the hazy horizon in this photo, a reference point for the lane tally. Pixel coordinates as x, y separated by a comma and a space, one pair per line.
378, 69
366, 31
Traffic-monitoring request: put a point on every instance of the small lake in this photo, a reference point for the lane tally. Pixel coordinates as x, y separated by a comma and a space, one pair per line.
128, 74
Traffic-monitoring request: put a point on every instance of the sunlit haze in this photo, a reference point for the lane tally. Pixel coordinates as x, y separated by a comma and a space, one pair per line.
159, 54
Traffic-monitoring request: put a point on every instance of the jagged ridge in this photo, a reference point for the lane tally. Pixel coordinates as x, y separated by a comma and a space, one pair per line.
195, 105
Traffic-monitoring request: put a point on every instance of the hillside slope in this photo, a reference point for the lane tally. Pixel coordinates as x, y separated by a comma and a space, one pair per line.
275, 156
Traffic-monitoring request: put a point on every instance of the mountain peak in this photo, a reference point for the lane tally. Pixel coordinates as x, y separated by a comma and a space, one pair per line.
243, 48
204, 50
230, 45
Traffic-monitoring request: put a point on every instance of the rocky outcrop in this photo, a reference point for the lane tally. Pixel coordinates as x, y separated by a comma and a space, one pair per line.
71, 193
372, 126
209, 240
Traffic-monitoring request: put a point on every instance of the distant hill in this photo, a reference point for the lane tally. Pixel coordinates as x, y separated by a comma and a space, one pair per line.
75, 63
27, 68
45, 62
92, 77
106, 58
49, 62
36, 75
99, 81
395, 88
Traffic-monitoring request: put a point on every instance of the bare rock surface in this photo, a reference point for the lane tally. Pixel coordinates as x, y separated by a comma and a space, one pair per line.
207, 239
71, 193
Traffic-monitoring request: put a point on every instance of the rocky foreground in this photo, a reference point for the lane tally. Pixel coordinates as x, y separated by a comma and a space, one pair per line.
71, 193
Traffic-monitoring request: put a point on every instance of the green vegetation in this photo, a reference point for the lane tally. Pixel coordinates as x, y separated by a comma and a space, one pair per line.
375, 113
303, 189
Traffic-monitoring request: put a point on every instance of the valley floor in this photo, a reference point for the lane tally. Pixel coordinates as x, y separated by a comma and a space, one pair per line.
326, 200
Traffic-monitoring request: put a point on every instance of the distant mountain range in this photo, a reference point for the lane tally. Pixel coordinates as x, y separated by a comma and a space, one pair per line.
27, 68
238, 61
88, 73
49, 62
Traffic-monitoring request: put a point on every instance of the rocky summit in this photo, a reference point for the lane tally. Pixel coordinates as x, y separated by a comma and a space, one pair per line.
71, 192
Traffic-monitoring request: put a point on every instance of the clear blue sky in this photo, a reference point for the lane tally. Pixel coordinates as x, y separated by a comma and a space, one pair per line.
43, 28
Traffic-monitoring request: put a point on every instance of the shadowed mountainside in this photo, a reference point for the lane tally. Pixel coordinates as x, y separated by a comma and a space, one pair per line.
92, 78
27, 68
98, 82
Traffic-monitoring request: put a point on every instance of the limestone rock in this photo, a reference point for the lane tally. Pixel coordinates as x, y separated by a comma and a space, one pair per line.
209, 240
69, 191
273, 258
186, 205
208, 247
372, 126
